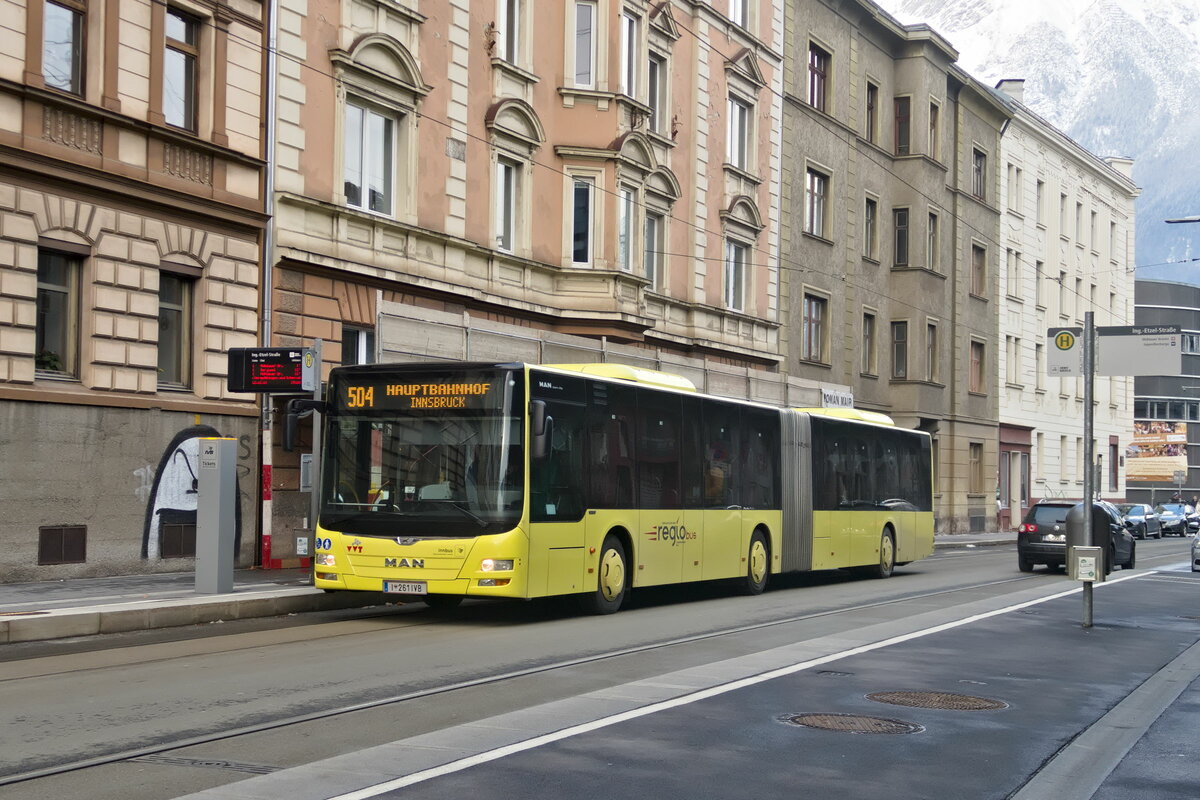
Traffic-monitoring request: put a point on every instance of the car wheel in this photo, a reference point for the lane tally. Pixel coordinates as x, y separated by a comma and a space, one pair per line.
1024, 564
611, 579
1129, 564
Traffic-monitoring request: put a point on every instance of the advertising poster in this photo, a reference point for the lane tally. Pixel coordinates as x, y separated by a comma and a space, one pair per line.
1157, 451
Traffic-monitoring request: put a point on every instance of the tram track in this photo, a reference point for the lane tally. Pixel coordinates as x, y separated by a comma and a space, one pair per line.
281, 723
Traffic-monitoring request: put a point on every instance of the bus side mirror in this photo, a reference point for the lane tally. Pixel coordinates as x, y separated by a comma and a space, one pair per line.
297, 408
541, 428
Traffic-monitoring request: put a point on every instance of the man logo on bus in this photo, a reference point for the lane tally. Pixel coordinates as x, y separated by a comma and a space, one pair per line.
671, 532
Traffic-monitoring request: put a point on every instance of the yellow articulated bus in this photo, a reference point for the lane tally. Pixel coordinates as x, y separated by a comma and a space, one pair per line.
450, 480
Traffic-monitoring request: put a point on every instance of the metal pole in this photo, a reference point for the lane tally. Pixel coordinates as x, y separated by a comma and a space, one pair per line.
315, 497
1089, 488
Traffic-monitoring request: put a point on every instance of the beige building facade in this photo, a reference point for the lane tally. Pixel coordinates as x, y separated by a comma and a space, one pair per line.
890, 235
601, 174
1068, 237
131, 223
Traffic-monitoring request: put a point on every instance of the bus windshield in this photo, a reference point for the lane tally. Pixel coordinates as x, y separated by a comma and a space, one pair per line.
424, 455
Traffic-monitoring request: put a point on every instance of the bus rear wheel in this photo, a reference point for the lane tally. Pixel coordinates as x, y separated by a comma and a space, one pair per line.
758, 565
887, 556
611, 579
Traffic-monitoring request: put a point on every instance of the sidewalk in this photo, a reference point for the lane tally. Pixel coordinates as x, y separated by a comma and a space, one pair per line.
87, 606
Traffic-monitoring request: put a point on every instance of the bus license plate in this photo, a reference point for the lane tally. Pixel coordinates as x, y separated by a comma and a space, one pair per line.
404, 587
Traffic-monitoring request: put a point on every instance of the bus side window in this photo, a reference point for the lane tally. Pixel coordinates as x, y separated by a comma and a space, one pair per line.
722, 454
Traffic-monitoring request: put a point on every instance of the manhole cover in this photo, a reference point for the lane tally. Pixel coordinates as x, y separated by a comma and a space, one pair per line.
940, 700
852, 723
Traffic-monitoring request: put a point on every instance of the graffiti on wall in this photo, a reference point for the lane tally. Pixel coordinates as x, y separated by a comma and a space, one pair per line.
174, 494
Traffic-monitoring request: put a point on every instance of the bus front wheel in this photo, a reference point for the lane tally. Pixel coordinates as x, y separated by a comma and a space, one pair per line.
610, 579
758, 565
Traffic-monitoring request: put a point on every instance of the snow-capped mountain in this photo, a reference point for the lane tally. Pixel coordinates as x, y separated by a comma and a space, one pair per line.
1121, 77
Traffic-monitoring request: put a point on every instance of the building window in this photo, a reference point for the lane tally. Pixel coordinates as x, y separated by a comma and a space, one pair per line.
812, 344
816, 193
506, 203
581, 220
626, 211
510, 30
1092, 232
1039, 275
899, 349
903, 108
868, 343
1039, 365
1041, 202
1010, 361
931, 352
655, 225
872, 112
1079, 224
978, 174
656, 87
1014, 272
507, 189
978, 270
1014, 188
1190, 343
629, 60
585, 44
1062, 294
975, 459
62, 46
738, 11
935, 113
735, 275
900, 226
369, 144
818, 76
57, 337
870, 228
977, 364
358, 345
739, 133
933, 249
174, 330
179, 69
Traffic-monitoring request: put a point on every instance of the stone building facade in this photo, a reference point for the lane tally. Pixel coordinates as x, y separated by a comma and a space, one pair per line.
1068, 247
890, 234
131, 222
600, 170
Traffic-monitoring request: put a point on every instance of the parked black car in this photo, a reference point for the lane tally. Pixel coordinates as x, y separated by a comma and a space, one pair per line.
1141, 520
1174, 518
1042, 537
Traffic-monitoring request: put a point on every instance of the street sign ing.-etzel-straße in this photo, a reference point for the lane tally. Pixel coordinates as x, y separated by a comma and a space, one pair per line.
1120, 350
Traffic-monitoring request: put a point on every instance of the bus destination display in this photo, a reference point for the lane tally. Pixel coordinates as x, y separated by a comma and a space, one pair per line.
260, 369
445, 394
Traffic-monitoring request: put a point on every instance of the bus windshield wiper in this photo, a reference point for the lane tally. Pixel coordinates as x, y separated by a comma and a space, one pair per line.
480, 521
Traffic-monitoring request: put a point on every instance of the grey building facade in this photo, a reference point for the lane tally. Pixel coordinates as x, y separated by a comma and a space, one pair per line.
890, 235
1166, 408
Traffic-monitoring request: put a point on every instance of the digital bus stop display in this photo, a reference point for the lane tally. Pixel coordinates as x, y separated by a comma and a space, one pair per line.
282, 369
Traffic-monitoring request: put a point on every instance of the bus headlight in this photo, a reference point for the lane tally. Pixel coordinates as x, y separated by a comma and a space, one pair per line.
496, 565
326, 560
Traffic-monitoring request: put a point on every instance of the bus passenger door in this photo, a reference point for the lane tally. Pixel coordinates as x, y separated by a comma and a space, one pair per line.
663, 534
721, 461
557, 510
